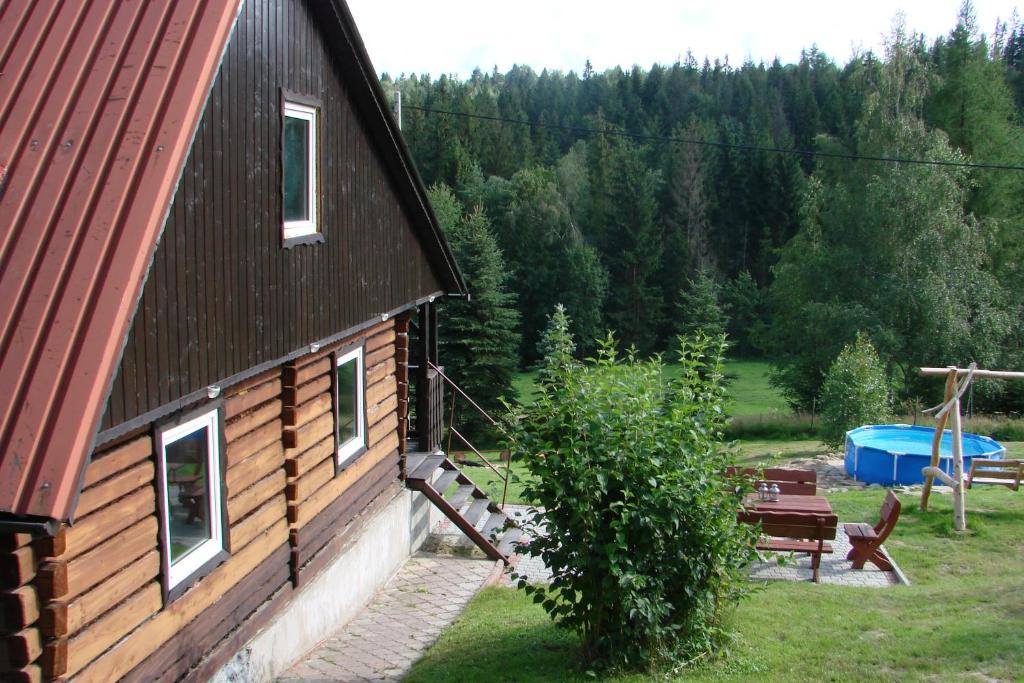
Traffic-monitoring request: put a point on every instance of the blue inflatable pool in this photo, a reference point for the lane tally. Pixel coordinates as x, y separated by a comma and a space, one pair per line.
896, 454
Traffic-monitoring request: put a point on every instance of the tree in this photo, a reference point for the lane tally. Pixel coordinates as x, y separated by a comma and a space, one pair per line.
855, 392
744, 301
479, 337
556, 346
700, 308
888, 249
550, 259
640, 528
632, 249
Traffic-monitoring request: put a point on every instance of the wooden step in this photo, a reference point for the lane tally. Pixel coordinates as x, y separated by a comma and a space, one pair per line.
420, 477
507, 545
414, 460
426, 469
445, 480
461, 495
494, 525
477, 510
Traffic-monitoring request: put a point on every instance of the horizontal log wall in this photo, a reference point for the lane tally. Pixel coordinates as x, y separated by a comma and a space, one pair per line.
97, 589
21, 638
321, 500
87, 605
257, 540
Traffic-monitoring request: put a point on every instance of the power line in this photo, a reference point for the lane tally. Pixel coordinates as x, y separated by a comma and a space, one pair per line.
711, 143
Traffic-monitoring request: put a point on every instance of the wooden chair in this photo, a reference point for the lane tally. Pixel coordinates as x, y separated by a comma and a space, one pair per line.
790, 482
1001, 472
797, 532
867, 540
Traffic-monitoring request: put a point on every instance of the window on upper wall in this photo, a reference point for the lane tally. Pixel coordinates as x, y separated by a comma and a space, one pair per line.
299, 169
192, 532
349, 405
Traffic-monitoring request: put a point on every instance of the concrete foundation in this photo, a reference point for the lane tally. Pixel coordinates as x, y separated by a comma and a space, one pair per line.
338, 593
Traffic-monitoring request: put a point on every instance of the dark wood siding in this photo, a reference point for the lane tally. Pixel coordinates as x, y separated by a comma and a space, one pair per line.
223, 295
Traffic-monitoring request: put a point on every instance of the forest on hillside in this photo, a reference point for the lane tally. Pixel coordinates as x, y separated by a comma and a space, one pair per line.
750, 199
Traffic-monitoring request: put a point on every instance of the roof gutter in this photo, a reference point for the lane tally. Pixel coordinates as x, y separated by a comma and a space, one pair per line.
28, 524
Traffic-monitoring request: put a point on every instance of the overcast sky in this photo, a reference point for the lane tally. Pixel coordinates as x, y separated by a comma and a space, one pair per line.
454, 36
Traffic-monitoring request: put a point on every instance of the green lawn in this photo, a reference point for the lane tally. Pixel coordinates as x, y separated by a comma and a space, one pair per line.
489, 481
749, 391
962, 619
747, 383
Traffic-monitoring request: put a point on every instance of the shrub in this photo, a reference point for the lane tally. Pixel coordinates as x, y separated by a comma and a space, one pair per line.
641, 532
855, 392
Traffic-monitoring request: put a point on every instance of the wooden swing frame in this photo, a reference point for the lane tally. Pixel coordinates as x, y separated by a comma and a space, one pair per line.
950, 409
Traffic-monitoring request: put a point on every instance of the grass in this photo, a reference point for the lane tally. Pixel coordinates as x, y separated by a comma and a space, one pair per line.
749, 390
747, 384
489, 481
962, 619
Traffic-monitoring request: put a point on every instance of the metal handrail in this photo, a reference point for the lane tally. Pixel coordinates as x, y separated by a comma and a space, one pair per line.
452, 430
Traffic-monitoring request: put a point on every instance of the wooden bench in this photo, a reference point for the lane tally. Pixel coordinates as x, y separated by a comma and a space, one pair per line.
795, 482
1001, 472
798, 532
867, 540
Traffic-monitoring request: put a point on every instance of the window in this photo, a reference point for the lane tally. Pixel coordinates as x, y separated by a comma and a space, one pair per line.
351, 416
299, 166
192, 524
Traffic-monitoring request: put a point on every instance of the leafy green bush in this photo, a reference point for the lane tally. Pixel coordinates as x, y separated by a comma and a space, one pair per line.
640, 528
855, 392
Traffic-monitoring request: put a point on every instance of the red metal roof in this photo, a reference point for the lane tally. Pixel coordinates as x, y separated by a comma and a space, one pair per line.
99, 102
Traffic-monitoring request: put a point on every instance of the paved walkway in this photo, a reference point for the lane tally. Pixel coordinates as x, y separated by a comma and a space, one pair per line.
835, 568
401, 622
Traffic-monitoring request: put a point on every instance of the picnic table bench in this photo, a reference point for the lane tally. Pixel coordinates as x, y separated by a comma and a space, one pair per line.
1003, 472
794, 523
791, 482
867, 540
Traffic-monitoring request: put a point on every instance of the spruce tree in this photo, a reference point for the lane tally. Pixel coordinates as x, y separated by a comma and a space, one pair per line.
479, 338
700, 307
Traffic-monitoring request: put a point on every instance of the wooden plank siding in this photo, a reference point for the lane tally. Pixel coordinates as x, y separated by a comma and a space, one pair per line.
223, 295
321, 499
224, 299
92, 609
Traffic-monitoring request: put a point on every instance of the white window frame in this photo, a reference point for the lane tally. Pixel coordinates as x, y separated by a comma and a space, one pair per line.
310, 115
192, 562
354, 446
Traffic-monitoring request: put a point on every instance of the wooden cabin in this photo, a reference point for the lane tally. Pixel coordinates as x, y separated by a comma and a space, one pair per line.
216, 257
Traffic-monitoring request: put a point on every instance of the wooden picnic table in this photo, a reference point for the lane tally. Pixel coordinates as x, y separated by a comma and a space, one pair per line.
793, 523
818, 505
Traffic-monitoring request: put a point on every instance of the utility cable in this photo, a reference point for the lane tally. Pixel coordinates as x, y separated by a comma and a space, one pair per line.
710, 143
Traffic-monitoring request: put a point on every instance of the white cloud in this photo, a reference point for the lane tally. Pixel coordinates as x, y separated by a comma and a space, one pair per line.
454, 36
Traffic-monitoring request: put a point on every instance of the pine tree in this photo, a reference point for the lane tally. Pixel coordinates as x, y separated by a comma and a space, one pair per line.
700, 307
556, 346
479, 338
632, 250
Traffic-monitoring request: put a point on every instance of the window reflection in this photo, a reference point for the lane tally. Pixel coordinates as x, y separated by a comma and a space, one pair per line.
188, 493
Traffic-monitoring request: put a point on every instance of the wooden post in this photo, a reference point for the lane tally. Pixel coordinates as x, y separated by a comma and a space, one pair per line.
937, 439
427, 355
959, 514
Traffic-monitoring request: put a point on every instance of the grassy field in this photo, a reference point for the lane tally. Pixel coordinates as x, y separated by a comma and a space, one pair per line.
489, 481
961, 619
749, 390
747, 383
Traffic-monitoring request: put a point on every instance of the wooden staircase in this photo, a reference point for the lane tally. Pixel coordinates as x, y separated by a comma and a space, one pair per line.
464, 503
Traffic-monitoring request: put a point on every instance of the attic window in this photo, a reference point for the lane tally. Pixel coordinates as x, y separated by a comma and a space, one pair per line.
299, 169
192, 531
